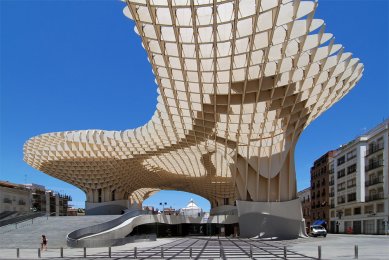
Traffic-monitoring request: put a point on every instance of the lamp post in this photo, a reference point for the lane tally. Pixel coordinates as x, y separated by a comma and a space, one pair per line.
163, 204
386, 226
339, 213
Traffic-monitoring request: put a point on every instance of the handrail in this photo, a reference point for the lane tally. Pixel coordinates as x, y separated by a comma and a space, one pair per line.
22, 218
82, 232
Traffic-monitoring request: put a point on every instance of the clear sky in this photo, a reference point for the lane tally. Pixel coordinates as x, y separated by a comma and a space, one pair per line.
74, 65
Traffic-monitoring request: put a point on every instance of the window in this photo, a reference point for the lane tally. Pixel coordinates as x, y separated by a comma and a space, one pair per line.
351, 155
351, 183
369, 209
341, 173
226, 201
341, 199
332, 168
99, 192
347, 212
357, 211
351, 197
368, 226
380, 207
113, 195
352, 169
341, 160
341, 186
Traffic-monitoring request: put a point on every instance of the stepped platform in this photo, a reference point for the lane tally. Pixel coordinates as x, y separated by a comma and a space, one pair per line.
28, 235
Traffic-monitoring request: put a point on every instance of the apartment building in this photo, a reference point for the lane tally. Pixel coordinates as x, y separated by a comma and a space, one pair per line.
14, 197
359, 184
24, 198
48, 201
320, 178
305, 198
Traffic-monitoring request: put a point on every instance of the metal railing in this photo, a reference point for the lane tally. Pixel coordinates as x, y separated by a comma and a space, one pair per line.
73, 238
374, 165
373, 181
374, 148
18, 219
378, 196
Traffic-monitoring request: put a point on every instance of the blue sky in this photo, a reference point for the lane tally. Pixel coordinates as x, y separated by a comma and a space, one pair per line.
72, 65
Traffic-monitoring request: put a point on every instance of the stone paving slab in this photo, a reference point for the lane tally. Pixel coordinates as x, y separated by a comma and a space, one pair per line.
332, 247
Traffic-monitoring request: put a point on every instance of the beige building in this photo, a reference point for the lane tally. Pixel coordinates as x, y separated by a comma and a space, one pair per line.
25, 198
47, 201
14, 198
238, 81
359, 194
305, 199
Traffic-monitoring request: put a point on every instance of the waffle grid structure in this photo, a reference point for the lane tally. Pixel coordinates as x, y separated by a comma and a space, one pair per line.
238, 81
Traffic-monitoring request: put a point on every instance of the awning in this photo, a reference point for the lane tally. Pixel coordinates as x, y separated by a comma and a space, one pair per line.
319, 222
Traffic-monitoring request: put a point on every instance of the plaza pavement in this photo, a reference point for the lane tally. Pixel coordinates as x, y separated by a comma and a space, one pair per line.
335, 246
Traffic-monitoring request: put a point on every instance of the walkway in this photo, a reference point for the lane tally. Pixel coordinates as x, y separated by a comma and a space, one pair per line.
332, 247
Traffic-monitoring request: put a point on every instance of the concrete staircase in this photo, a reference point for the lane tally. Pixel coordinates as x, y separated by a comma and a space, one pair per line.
28, 234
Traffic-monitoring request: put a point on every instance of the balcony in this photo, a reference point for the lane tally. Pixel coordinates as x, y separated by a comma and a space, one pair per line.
378, 196
351, 185
374, 148
342, 189
374, 181
374, 165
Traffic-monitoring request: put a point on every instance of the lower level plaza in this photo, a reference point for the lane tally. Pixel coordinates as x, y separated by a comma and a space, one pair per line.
334, 246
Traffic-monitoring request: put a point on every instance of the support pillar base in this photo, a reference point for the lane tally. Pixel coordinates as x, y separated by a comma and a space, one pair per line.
278, 220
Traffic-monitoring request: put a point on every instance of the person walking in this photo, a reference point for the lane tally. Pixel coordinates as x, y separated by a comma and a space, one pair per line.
44, 243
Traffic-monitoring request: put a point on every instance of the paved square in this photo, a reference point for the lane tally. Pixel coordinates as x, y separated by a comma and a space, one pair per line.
332, 247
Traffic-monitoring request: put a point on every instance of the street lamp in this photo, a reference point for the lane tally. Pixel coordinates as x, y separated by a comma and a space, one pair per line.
163, 204
386, 226
339, 213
